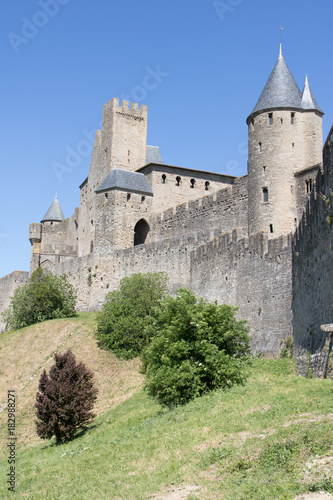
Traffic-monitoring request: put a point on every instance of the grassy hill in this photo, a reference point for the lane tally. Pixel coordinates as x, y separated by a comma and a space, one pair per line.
270, 439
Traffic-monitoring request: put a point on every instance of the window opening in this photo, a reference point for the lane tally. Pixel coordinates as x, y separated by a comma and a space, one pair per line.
271, 228
308, 185
206, 185
128, 197
260, 147
265, 194
178, 179
163, 179
270, 118
192, 182
292, 118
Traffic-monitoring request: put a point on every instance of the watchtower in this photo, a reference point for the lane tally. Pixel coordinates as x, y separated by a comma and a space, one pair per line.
285, 136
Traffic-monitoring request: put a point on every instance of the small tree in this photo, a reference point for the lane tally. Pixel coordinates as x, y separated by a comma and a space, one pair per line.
197, 347
65, 399
46, 296
127, 311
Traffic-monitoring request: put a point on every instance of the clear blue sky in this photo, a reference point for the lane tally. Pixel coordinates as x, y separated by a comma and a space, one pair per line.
213, 60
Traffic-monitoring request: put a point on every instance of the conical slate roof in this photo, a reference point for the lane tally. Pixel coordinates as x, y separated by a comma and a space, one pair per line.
308, 100
54, 213
280, 91
125, 180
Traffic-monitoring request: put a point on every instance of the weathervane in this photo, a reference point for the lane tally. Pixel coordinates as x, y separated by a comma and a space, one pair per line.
281, 29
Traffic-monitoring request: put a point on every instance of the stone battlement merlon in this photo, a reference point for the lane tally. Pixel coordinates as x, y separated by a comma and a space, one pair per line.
125, 107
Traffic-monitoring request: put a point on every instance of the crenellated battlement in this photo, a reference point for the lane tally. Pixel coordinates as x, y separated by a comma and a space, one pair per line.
126, 108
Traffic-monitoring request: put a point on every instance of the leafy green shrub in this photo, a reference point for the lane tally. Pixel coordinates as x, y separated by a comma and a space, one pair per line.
45, 297
197, 347
127, 311
66, 398
288, 347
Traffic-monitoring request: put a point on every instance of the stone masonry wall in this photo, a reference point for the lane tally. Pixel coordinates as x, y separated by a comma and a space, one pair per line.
313, 277
8, 285
175, 185
252, 273
225, 210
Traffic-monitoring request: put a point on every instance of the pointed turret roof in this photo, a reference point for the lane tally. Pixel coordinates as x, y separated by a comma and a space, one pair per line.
54, 213
280, 91
308, 100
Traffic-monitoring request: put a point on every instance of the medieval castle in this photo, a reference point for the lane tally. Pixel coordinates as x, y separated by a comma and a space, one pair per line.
243, 241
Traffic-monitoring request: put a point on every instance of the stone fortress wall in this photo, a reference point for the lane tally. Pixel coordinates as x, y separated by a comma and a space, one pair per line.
8, 285
312, 262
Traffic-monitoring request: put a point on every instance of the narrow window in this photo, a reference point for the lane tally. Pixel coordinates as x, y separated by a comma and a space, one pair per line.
270, 118
163, 179
76, 225
293, 145
271, 228
91, 246
128, 197
206, 185
292, 118
192, 183
178, 179
92, 222
143, 199
264, 167
308, 185
265, 194
260, 147
106, 196
281, 119
128, 153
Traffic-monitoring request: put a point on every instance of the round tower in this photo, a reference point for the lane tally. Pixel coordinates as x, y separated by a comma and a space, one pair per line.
285, 136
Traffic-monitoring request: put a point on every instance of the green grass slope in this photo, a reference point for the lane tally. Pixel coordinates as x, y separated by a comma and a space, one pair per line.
270, 439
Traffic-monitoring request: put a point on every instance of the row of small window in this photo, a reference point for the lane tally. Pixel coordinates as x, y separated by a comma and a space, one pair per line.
270, 119
178, 181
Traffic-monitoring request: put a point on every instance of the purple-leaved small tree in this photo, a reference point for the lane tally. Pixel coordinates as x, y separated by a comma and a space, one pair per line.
65, 399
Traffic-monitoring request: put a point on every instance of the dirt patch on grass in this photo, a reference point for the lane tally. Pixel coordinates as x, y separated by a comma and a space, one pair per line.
25, 353
314, 496
179, 493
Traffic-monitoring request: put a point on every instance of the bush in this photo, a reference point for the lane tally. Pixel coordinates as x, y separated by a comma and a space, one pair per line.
127, 311
66, 398
45, 297
197, 347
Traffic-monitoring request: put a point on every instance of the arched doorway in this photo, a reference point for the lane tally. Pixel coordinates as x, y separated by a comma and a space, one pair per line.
141, 231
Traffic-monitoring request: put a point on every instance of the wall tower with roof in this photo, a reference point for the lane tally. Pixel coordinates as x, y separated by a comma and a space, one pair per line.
285, 137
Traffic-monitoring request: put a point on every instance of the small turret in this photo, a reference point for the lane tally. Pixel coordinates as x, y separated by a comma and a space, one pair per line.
54, 213
285, 137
